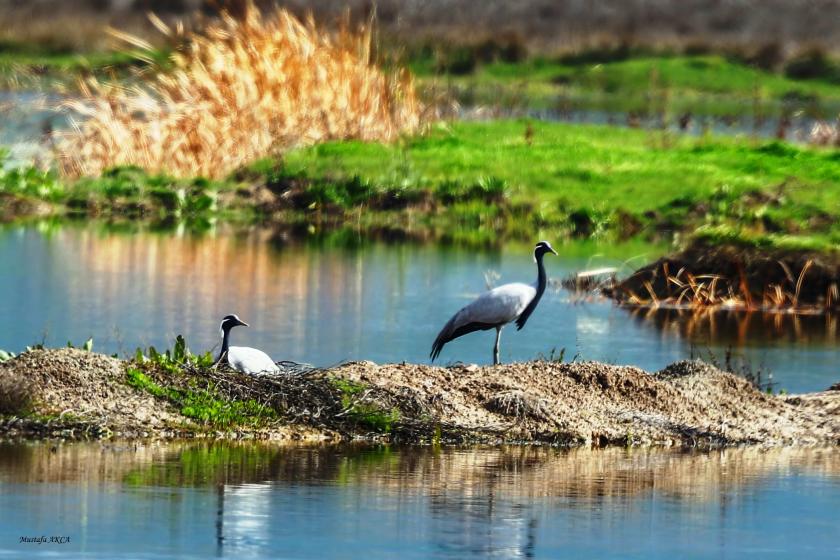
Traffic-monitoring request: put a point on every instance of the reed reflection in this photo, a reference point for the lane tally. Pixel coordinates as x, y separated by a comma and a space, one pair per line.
741, 328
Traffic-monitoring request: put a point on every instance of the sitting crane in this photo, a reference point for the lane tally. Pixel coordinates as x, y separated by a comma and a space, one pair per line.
243, 358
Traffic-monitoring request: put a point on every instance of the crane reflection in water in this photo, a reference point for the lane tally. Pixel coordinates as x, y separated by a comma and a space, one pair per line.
241, 499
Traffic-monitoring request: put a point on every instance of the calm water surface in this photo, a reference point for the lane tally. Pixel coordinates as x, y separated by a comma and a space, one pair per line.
259, 501
328, 302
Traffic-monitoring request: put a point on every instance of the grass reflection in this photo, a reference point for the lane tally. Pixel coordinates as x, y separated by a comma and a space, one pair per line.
516, 472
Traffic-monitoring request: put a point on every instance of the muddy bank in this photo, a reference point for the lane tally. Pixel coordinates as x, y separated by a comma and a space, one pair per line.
733, 276
70, 393
687, 403
76, 394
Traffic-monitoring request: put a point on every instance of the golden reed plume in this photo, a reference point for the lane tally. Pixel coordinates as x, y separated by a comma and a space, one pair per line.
240, 90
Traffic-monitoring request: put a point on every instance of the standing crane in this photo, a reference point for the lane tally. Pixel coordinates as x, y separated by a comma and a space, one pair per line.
497, 307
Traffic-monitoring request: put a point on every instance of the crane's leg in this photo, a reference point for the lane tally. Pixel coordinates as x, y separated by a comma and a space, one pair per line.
496, 347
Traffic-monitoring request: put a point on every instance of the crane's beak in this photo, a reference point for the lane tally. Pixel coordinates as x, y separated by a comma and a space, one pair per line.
553, 252
243, 324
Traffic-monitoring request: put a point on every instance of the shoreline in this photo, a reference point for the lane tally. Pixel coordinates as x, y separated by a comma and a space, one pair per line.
508, 181
78, 395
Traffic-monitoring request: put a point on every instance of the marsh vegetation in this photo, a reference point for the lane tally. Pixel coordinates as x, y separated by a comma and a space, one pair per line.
344, 180
564, 181
335, 128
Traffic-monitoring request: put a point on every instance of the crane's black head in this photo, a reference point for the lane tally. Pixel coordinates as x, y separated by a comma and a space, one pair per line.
542, 248
229, 322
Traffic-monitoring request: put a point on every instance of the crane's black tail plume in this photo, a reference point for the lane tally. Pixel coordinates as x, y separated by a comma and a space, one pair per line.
443, 337
451, 332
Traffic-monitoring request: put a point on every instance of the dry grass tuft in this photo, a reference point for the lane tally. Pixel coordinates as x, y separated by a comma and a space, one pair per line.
240, 90
825, 133
16, 394
518, 404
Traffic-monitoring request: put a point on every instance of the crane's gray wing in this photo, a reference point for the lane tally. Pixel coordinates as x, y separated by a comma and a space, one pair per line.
491, 309
453, 330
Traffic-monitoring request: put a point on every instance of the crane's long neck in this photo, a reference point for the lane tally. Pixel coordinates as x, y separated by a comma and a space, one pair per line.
541, 282
541, 278
225, 345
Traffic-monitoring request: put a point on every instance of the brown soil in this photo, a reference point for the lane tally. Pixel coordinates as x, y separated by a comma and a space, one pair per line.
687, 403
755, 277
80, 394
86, 385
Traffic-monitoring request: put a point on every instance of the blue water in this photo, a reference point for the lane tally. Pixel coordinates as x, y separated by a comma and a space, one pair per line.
325, 302
259, 501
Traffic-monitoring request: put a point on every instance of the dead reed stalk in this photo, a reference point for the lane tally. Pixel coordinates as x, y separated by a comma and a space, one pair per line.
240, 90
707, 291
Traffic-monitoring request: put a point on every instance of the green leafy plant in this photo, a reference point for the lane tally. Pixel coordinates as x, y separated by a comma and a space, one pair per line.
30, 181
175, 359
486, 189
372, 415
87, 346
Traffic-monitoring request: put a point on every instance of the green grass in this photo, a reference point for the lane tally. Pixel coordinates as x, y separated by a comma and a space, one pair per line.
126, 192
27, 67
707, 84
474, 183
709, 74
204, 405
65, 62
599, 175
738, 237
640, 80
586, 166
198, 401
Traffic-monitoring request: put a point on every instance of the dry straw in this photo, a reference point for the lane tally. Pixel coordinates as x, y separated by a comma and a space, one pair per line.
684, 290
240, 90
